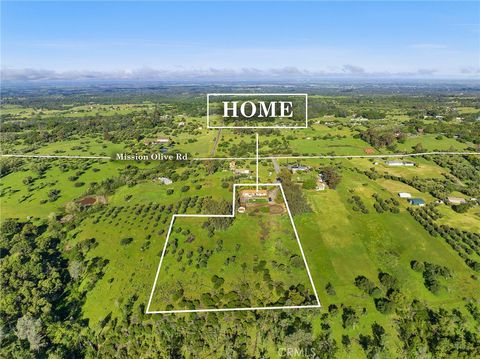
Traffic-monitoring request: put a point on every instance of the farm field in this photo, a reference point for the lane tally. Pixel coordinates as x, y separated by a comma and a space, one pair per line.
469, 220
80, 147
423, 168
431, 142
29, 192
338, 146
376, 259
377, 240
131, 263
154, 191
263, 267
20, 112
220, 180
343, 244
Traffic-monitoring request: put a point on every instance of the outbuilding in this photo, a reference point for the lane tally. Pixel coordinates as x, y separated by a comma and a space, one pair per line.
417, 202
165, 180
242, 171
297, 168
399, 164
456, 200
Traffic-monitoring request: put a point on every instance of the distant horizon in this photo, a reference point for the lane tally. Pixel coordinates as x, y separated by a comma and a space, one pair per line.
196, 86
239, 81
217, 75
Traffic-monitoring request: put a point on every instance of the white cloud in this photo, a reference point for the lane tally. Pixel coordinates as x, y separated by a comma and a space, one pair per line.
470, 70
352, 69
213, 73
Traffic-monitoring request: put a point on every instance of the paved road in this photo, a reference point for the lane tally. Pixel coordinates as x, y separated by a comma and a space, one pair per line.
217, 139
276, 166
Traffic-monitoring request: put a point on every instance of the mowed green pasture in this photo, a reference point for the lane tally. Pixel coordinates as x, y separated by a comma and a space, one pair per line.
467, 110
394, 187
469, 221
341, 244
429, 142
337, 146
232, 255
313, 141
424, 168
202, 145
20, 200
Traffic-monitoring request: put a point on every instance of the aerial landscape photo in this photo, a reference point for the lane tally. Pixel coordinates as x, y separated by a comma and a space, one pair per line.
228, 179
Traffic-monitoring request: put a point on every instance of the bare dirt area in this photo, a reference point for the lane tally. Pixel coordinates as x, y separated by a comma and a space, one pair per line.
277, 209
87, 201
91, 200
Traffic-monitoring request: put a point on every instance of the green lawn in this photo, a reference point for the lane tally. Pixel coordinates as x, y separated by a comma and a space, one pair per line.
341, 244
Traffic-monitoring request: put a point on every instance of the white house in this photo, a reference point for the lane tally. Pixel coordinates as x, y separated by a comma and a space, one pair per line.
321, 186
252, 193
456, 200
157, 141
296, 168
165, 180
404, 195
241, 171
399, 164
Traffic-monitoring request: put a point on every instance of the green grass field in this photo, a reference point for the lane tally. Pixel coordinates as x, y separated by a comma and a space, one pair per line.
131, 267
424, 168
256, 260
235, 255
429, 142
21, 200
74, 111
341, 244
469, 221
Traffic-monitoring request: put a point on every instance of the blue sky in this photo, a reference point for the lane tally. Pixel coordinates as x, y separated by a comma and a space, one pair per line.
149, 39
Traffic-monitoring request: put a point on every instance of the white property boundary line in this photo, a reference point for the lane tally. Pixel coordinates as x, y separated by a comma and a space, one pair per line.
148, 311
306, 157
394, 155
59, 156
258, 94
256, 178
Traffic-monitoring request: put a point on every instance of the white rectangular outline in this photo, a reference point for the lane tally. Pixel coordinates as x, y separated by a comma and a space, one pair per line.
230, 216
258, 94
